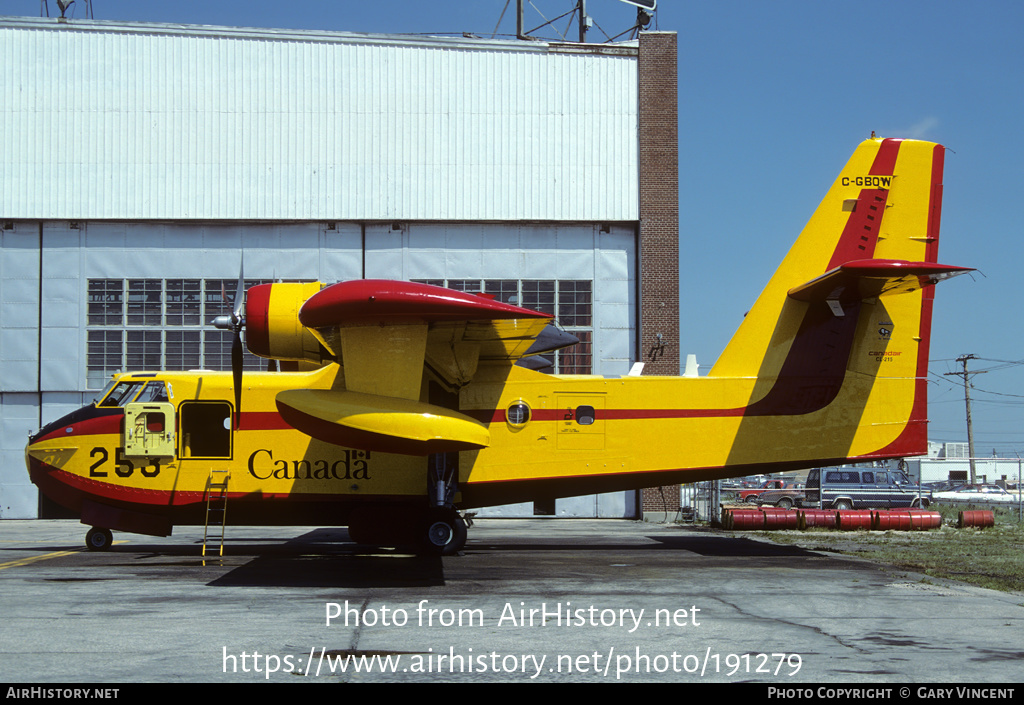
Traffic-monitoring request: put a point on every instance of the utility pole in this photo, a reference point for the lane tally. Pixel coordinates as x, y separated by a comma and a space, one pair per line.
967, 398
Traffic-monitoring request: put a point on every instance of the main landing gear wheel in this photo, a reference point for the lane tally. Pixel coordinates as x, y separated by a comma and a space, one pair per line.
445, 532
97, 539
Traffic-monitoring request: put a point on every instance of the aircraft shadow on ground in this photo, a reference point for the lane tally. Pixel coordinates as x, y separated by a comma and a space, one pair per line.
726, 547
326, 558
702, 545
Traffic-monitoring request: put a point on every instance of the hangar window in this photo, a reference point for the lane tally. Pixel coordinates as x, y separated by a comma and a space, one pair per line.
577, 360
144, 302
539, 295
106, 301
104, 354
143, 351
506, 290
183, 349
569, 300
575, 304
159, 324
470, 285
183, 305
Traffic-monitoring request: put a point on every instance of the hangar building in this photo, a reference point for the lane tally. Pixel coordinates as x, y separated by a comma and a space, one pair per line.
138, 161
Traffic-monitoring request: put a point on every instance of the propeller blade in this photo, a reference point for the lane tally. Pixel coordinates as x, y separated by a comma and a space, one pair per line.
236, 373
239, 293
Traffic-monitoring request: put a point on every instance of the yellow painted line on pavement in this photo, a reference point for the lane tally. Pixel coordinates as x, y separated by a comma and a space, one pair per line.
35, 559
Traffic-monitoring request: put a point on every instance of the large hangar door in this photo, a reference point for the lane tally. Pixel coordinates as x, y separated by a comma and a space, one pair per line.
583, 273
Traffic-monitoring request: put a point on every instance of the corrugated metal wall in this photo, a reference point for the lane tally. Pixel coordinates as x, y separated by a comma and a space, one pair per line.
111, 121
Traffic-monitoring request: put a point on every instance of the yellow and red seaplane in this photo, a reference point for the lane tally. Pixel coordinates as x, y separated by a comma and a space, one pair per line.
412, 408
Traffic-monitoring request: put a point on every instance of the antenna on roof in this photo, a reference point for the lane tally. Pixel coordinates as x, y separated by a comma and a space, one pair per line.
63, 5
576, 15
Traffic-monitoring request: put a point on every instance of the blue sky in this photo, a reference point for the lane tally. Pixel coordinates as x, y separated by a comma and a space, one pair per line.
773, 98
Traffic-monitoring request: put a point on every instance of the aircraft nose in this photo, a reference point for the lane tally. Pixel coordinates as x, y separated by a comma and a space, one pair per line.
45, 457
53, 445
36, 464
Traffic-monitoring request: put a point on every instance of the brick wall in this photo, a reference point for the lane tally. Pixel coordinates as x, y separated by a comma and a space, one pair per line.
659, 224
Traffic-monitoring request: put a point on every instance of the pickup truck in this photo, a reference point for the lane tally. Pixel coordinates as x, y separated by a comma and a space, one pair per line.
750, 495
784, 498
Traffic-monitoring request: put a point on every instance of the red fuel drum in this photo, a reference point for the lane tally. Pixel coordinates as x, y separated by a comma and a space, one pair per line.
853, 519
891, 521
906, 520
923, 519
809, 518
745, 519
776, 519
982, 518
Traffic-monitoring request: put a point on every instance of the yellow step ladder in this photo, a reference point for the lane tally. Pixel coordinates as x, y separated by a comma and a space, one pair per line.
216, 506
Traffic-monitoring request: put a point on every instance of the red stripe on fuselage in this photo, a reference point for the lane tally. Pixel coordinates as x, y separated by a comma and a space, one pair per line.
95, 426
262, 421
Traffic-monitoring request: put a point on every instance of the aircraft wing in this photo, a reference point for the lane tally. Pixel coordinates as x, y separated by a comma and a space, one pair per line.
385, 334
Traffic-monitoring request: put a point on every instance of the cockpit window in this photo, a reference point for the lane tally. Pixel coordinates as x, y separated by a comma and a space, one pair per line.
154, 391
123, 393
106, 390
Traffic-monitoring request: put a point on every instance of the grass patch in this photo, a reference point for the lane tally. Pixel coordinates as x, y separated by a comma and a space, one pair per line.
990, 558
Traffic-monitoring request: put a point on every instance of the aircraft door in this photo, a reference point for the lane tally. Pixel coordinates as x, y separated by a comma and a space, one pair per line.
149, 429
205, 429
581, 426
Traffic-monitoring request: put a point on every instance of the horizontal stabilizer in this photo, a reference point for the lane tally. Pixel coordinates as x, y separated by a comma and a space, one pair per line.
868, 278
376, 423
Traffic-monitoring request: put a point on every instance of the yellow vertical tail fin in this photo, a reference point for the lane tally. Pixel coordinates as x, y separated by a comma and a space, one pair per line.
847, 315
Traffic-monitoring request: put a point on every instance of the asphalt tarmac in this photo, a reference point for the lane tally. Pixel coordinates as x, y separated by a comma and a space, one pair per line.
527, 601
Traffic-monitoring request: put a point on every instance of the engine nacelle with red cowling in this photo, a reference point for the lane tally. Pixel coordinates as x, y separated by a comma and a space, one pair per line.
272, 327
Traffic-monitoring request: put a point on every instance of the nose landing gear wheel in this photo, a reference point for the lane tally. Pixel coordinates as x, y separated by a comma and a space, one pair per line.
445, 532
97, 539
